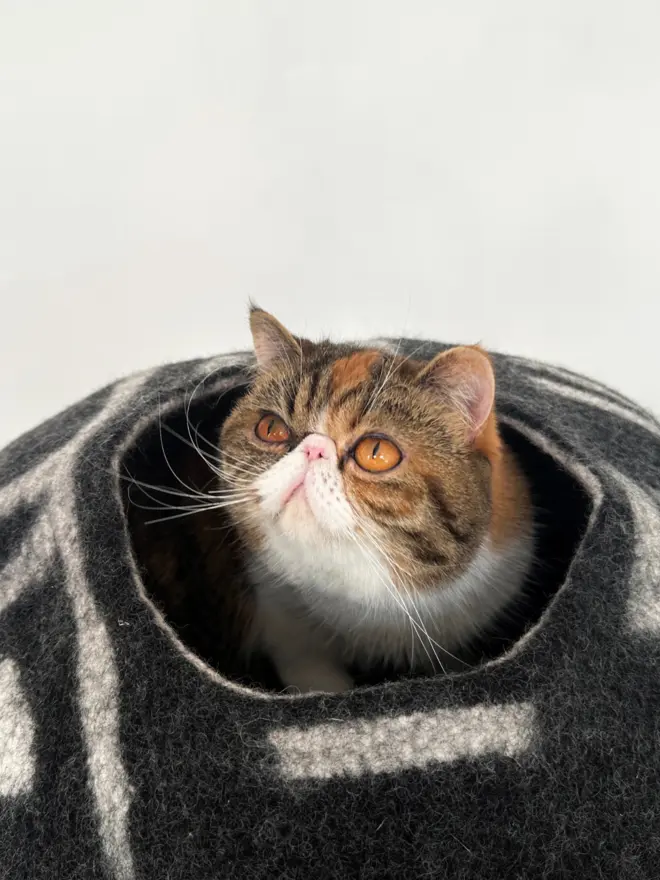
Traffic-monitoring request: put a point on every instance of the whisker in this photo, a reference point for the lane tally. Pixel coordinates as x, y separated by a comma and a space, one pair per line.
241, 463
375, 394
176, 508
162, 446
392, 591
193, 511
170, 430
213, 467
411, 597
166, 490
394, 368
253, 474
200, 437
201, 502
419, 630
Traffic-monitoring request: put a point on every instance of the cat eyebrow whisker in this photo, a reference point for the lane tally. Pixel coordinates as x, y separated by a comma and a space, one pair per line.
394, 368
374, 397
292, 377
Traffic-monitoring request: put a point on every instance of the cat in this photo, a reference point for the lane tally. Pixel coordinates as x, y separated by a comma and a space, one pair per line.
383, 518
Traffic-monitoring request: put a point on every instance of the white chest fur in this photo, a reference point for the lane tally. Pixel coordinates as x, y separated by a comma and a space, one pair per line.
325, 591
337, 600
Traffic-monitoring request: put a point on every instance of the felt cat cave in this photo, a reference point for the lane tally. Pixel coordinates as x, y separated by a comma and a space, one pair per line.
128, 751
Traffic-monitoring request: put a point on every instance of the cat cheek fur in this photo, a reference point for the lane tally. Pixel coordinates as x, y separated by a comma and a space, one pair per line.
274, 485
328, 500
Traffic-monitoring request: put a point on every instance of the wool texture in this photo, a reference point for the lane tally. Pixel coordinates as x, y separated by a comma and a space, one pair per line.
124, 756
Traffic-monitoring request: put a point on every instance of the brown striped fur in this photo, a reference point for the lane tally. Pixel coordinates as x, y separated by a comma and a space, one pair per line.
451, 524
450, 490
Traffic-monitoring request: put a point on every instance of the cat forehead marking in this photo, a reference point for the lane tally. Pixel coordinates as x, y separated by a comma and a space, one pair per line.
351, 371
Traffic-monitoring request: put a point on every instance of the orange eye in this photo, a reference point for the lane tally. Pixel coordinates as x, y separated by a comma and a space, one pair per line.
377, 455
271, 429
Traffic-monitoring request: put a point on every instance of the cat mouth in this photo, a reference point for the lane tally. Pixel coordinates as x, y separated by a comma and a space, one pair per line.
299, 492
295, 490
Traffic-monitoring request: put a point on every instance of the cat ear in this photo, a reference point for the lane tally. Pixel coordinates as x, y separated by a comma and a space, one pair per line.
465, 376
272, 341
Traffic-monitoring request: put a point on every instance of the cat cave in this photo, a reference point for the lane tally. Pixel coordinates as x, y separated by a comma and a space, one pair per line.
132, 749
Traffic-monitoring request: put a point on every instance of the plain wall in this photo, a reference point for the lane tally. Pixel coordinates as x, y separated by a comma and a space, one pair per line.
464, 171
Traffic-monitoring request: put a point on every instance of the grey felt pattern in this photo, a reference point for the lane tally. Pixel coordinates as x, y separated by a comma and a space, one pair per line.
122, 755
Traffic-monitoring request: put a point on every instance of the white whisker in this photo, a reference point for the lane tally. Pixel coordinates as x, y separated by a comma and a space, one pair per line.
193, 511
391, 589
214, 494
411, 596
165, 457
393, 370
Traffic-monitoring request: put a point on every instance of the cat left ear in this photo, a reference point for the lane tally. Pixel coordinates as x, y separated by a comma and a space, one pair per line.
272, 341
465, 376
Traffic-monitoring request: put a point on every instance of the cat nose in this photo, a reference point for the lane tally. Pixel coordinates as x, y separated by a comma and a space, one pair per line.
317, 446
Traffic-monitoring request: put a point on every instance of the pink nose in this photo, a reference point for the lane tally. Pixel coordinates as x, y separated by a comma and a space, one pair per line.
318, 446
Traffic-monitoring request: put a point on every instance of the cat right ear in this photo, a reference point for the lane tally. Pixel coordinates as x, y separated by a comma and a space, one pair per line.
272, 341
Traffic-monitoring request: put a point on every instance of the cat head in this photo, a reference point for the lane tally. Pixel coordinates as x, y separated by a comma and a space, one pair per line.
339, 446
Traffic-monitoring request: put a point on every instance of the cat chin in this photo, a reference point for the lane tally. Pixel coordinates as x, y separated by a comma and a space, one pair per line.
296, 542
299, 525
305, 517
297, 521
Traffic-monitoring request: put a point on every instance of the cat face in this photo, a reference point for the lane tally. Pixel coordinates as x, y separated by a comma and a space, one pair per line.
343, 449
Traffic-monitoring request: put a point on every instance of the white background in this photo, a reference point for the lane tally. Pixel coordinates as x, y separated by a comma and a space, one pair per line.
466, 171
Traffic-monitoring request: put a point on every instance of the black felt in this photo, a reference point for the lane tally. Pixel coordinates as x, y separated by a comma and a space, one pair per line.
124, 757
